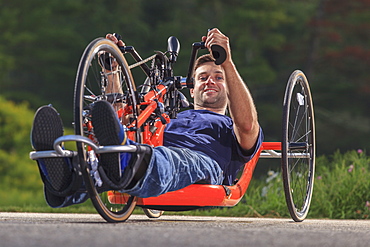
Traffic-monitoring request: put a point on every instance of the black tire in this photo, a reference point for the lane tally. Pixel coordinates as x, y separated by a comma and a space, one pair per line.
298, 146
89, 89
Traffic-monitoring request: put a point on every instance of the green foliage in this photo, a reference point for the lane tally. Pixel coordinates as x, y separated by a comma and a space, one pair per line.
342, 186
15, 122
20, 181
19, 177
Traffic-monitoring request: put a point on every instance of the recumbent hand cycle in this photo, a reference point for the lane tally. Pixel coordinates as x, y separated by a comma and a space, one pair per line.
147, 108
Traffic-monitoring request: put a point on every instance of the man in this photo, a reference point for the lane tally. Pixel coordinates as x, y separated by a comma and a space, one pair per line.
200, 145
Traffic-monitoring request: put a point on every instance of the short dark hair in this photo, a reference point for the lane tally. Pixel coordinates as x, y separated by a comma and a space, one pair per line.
203, 59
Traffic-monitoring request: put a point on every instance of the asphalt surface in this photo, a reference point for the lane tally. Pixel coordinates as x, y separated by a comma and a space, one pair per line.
33, 229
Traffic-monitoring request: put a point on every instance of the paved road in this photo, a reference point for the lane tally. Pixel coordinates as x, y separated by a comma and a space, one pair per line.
30, 229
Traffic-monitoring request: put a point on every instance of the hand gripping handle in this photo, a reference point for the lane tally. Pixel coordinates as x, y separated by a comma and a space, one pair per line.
218, 53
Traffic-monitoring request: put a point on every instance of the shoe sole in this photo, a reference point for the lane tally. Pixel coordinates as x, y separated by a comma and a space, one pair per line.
106, 129
47, 126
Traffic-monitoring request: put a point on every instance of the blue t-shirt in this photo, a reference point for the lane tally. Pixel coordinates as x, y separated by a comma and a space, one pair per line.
212, 134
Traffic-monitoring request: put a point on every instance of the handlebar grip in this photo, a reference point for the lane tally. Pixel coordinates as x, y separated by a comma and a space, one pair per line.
218, 53
198, 45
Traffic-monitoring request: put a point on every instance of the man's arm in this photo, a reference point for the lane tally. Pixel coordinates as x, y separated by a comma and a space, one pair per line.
114, 85
240, 101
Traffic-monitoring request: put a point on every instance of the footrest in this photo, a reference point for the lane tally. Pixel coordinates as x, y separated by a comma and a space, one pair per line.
34, 155
59, 152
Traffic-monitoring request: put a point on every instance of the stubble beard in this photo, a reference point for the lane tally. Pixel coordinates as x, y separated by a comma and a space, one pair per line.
216, 102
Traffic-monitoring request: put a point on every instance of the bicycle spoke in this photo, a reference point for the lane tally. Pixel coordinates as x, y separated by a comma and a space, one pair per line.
298, 121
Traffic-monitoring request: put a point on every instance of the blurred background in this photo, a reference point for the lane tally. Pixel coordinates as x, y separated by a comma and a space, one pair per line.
41, 43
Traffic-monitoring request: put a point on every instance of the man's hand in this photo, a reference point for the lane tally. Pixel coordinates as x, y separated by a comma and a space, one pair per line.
215, 37
114, 39
110, 64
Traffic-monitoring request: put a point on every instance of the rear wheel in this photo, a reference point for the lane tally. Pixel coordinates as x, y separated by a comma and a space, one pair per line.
298, 146
152, 213
103, 74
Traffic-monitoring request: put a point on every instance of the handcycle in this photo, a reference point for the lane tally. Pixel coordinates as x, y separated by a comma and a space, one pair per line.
144, 110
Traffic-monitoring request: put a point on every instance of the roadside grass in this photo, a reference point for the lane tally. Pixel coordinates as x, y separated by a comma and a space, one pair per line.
341, 191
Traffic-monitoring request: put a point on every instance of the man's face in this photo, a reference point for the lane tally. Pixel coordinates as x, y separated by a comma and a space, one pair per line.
209, 88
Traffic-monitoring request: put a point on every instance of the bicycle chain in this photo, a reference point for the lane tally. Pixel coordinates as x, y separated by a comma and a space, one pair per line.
142, 61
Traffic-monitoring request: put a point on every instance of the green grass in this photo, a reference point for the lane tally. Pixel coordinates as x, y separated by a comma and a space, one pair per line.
341, 191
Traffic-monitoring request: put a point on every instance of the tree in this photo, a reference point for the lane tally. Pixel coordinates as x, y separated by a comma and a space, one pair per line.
42, 43
340, 73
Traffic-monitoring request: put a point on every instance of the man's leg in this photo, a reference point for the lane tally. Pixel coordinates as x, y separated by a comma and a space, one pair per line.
162, 169
60, 179
171, 169
117, 170
165, 168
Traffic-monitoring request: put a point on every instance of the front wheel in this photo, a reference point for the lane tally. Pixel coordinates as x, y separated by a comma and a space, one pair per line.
103, 74
298, 146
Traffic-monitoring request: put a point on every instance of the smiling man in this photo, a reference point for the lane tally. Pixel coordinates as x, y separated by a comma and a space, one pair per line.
202, 144
231, 142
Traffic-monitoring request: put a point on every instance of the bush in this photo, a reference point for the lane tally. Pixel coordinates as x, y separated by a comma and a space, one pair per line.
341, 190
19, 178
342, 186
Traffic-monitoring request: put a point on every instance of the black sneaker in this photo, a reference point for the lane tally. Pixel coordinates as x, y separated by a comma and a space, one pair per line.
56, 173
108, 131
